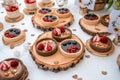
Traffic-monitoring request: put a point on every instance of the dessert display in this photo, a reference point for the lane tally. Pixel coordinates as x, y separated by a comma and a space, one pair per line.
90, 23
43, 11
62, 12
1, 26
31, 6
46, 3
117, 40
100, 45
47, 19
13, 69
46, 47
105, 20
13, 37
12, 9
91, 19
57, 61
61, 33
70, 48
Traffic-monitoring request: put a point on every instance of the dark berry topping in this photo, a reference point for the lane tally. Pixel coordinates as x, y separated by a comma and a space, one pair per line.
91, 16
63, 10
49, 18
11, 33
44, 10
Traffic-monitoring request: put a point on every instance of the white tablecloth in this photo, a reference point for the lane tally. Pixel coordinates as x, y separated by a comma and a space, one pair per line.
88, 68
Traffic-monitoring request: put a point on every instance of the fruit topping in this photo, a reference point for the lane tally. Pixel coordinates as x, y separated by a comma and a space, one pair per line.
62, 29
11, 33
62, 10
104, 39
14, 63
71, 46
56, 31
4, 66
41, 46
91, 16
44, 10
11, 8
30, 1
48, 47
96, 38
49, 18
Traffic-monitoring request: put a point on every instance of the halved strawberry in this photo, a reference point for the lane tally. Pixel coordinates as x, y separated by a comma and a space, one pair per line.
14, 63
30, 1
49, 48
104, 39
69, 50
56, 32
41, 46
4, 66
62, 29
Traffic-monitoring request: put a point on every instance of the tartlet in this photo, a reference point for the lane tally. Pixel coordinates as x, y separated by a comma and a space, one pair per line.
62, 12
13, 36
101, 43
61, 33
13, 69
70, 48
105, 20
91, 19
46, 47
49, 20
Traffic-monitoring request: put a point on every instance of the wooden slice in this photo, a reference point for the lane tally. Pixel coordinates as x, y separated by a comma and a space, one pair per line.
56, 62
36, 20
29, 12
1, 26
94, 29
102, 54
51, 4
12, 20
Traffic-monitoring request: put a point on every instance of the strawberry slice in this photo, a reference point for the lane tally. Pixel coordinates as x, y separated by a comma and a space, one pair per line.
56, 32
4, 66
104, 39
48, 47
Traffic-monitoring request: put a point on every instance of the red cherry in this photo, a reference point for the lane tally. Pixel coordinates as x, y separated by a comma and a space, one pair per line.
104, 39
14, 63
41, 46
62, 29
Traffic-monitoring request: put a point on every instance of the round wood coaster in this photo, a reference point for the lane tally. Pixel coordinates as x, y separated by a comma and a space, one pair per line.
51, 4
93, 30
102, 54
12, 20
56, 62
29, 12
36, 20
1, 26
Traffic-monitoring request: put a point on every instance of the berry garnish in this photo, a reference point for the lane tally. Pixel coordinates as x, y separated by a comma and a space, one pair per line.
14, 63
96, 38
40, 46
91, 16
62, 10
69, 50
56, 32
30, 1
11, 8
4, 66
104, 39
49, 18
48, 47
62, 29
